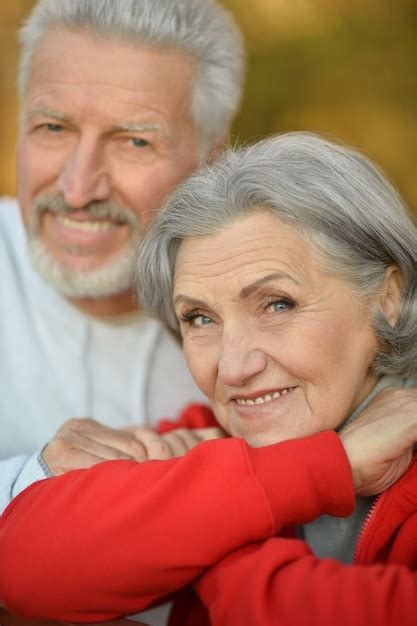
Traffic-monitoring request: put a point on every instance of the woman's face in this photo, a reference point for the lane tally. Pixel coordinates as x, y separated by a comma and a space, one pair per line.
281, 348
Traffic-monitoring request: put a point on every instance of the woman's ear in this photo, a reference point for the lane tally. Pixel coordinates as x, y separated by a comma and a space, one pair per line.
391, 290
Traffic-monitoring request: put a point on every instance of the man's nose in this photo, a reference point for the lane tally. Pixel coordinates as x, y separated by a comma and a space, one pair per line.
84, 177
240, 360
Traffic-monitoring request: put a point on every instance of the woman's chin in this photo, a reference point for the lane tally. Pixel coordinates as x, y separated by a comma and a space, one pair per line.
264, 438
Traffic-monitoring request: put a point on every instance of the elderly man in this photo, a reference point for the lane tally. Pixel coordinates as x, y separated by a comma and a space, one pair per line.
119, 102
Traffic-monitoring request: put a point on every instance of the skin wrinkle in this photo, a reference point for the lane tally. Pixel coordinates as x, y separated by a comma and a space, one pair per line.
323, 346
93, 158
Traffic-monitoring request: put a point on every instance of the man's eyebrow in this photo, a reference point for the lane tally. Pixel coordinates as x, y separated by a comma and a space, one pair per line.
132, 127
55, 115
246, 291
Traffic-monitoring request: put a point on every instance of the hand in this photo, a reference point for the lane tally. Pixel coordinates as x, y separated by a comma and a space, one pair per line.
82, 443
380, 442
174, 443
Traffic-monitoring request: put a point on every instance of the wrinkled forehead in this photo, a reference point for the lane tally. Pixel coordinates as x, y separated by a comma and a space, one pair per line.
245, 251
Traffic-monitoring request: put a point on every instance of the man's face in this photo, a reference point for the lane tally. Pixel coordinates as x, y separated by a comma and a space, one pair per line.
106, 133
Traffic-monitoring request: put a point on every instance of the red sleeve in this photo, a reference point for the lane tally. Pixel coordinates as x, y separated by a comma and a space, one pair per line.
194, 416
95, 544
282, 582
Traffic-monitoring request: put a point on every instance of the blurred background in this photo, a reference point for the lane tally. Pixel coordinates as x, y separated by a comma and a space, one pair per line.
347, 68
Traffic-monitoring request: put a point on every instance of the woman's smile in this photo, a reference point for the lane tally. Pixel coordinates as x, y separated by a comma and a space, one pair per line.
287, 347
263, 398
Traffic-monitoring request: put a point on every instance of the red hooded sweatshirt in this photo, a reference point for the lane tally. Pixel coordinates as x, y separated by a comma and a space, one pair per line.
95, 544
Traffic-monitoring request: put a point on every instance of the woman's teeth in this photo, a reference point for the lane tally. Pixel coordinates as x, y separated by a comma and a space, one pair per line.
87, 226
262, 399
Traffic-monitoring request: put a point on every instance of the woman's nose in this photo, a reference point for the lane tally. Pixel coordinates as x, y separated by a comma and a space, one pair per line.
240, 361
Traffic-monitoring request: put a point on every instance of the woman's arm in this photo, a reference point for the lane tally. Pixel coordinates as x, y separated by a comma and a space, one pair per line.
282, 582
95, 544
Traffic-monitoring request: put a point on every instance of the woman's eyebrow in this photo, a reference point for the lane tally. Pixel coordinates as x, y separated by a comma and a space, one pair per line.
192, 301
246, 291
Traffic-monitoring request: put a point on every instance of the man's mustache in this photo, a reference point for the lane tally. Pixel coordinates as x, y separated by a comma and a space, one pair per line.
57, 204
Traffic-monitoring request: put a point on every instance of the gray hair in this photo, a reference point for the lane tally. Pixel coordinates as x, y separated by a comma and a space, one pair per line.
201, 28
340, 201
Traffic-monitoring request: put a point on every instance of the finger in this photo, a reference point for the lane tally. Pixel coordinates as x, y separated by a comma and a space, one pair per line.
114, 439
72, 450
60, 458
157, 448
181, 440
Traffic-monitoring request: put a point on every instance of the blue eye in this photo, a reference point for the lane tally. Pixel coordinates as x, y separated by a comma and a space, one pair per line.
138, 142
200, 320
283, 304
54, 128
197, 320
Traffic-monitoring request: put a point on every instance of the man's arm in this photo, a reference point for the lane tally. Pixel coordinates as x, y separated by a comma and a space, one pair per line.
124, 534
16, 474
93, 545
82, 443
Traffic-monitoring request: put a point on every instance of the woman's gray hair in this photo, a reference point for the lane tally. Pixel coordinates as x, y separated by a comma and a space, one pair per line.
201, 28
341, 203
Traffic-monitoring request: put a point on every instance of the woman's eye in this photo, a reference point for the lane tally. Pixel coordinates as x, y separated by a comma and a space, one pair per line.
198, 320
138, 142
282, 304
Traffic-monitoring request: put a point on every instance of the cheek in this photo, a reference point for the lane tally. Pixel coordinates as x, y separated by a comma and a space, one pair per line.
324, 352
200, 368
144, 191
26, 176
202, 361
35, 172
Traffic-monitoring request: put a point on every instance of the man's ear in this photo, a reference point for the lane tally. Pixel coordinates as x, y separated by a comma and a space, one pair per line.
391, 291
217, 150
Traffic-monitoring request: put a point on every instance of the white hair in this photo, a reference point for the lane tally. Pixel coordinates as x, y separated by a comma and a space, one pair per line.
201, 28
340, 201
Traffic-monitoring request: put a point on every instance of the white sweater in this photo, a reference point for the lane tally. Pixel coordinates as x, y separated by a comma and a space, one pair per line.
57, 363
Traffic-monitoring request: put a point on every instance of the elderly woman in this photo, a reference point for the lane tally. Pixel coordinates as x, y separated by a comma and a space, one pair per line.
289, 271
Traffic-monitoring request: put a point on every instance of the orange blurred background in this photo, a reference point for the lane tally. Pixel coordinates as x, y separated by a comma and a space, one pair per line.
343, 67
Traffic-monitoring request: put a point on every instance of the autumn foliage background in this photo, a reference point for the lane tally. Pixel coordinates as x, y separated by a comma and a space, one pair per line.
347, 68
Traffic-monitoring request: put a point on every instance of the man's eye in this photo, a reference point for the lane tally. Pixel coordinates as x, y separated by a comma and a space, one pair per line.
53, 128
138, 142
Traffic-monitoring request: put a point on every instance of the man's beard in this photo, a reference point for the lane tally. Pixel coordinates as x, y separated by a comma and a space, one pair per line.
113, 278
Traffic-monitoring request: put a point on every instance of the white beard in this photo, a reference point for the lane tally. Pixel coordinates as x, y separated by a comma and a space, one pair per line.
113, 278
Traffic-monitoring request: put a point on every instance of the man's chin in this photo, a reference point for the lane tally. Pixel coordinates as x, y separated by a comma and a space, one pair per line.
78, 280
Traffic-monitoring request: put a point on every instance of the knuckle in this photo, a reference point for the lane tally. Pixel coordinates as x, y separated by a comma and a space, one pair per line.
137, 450
162, 447
181, 432
59, 443
71, 422
76, 423
87, 421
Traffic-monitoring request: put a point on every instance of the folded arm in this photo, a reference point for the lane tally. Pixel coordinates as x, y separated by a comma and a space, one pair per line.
95, 544
282, 582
